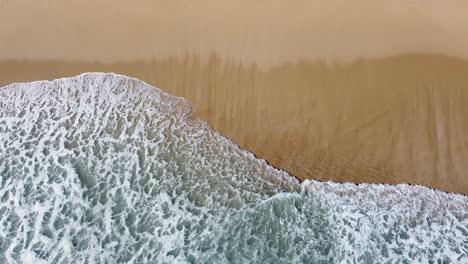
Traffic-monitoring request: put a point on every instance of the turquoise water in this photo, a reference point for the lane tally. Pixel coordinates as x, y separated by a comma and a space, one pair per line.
103, 168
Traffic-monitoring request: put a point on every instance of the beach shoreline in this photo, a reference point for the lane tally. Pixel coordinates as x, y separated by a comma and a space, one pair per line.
392, 120
371, 91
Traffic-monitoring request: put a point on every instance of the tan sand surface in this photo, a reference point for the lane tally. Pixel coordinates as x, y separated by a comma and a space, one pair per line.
264, 32
318, 88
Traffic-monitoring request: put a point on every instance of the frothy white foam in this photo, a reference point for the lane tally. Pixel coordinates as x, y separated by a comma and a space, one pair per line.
105, 168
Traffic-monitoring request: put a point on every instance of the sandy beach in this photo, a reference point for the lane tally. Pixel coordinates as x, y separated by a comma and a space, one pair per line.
373, 91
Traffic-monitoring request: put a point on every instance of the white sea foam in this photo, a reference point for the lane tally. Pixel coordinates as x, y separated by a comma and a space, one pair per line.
103, 168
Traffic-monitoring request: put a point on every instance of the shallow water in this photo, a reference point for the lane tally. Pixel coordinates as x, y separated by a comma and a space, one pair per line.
105, 168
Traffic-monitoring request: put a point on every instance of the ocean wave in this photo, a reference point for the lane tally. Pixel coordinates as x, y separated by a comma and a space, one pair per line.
106, 168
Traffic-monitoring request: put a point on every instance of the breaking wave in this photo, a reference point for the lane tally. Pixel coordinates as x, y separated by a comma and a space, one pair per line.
103, 168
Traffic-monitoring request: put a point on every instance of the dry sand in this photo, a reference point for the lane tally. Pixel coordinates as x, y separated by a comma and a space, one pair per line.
319, 89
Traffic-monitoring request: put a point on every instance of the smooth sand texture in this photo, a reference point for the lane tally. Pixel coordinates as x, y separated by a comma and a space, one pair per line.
318, 88
264, 32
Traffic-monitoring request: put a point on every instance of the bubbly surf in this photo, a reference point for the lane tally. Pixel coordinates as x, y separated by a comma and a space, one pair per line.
103, 168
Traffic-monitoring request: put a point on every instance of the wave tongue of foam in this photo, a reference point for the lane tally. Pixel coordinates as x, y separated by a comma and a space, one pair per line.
105, 168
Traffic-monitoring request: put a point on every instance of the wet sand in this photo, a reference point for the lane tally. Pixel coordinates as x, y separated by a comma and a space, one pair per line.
401, 119
373, 91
